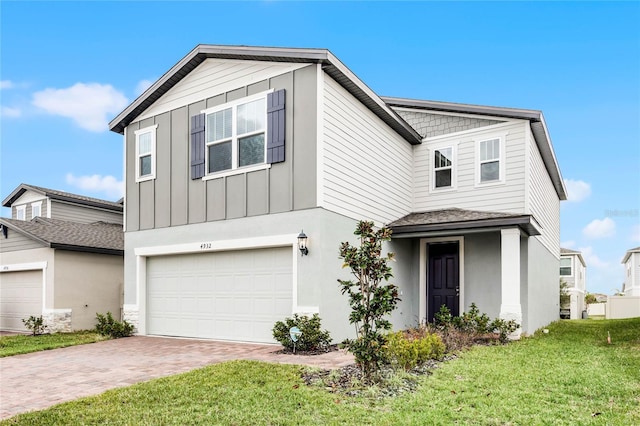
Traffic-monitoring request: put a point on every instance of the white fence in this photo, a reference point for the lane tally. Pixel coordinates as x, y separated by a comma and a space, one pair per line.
616, 307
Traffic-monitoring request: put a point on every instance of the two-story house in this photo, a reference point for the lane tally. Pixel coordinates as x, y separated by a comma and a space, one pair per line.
631, 262
235, 150
61, 256
573, 270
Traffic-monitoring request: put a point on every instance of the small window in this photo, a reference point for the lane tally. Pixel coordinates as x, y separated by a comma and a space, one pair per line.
565, 266
236, 134
489, 161
146, 153
21, 212
443, 168
36, 209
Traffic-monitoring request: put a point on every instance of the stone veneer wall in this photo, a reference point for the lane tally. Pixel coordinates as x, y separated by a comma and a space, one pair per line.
57, 320
429, 125
131, 314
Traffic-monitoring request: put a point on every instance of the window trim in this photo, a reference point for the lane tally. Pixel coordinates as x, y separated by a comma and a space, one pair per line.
152, 130
235, 168
570, 267
21, 209
454, 167
501, 161
37, 204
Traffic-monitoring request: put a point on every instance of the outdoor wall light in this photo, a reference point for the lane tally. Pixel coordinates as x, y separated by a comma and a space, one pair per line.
302, 243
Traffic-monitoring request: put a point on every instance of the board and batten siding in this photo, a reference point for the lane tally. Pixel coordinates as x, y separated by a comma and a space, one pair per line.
367, 167
174, 199
508, 197
213, 77
17, 242
543, 200
76, 213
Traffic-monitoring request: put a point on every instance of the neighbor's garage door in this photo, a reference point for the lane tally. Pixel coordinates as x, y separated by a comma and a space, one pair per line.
20, 297
235, 295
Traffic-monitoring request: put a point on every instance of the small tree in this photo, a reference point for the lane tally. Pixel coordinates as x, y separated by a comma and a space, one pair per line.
369, 298
565, 297
590, 298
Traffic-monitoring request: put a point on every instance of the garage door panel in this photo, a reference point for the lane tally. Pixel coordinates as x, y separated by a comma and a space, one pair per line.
235, 295
20, 297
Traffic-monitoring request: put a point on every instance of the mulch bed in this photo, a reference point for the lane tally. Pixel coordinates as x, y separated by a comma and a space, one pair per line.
319, 351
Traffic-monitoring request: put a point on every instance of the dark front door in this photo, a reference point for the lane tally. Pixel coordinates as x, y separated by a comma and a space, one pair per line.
443, 279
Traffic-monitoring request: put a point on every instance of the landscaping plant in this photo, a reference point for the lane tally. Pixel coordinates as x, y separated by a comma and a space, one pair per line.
313, 338
411, 348
108, 326
35, 325
369, 297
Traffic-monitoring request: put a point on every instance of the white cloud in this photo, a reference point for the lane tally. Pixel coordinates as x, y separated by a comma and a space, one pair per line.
88, 105
600, 228
577, 190
6, 84
10, 112
142, 86
568, 244
109, 185
635, 234
592, 259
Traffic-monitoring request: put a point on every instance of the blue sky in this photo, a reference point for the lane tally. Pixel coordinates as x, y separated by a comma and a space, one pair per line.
67, 68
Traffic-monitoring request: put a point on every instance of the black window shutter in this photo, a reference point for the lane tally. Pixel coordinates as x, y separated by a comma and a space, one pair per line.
276, 126
197, 146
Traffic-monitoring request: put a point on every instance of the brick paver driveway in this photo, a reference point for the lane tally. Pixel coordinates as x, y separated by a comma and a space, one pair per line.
41, 379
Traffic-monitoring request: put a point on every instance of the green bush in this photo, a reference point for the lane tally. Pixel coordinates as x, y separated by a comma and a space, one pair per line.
503, 328
35, 325
108, 326
408, 349
312, 337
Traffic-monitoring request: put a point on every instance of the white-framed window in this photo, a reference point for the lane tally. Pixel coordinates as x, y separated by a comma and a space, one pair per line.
235, 134
565, 266
146, 153
443, 164
490, 161
36, 209
21, 212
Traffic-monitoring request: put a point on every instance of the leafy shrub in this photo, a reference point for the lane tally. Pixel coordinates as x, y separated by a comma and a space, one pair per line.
503, 328
35, 325
312, 337
408, 349
108, 326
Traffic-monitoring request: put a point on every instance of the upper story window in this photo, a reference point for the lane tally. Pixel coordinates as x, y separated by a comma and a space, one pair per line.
236, 134
21, 212
146, 153
443, 175
36, 209
565, 266
490, 161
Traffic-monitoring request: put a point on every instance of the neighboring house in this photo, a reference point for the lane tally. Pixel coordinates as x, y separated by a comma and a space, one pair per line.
631, 262
236, 149
52, 265
573, 272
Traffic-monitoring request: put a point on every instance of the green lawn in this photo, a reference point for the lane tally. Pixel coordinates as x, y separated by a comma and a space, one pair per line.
567, 377
23, 344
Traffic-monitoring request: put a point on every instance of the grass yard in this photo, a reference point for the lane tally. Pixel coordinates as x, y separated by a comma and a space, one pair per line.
567, 377
24, 344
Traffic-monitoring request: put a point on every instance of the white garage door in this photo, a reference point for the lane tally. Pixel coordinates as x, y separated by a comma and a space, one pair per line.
20, 297
235, 295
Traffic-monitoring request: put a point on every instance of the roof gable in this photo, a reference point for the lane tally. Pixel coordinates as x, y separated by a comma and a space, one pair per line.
330, 64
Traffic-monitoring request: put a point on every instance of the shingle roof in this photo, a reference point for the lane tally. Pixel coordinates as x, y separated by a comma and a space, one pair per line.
568, 251
54, 194
98, 237
459, 219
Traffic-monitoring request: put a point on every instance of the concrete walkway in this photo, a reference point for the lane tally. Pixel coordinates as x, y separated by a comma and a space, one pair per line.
42, 379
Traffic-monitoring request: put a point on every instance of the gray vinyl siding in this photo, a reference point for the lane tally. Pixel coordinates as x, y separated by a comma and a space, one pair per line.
506, 197
17, 242
367, 167
29, 209
543, 200
429, 125
82, 214
174, 199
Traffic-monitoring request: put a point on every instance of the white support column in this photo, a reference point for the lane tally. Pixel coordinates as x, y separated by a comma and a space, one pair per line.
510, 307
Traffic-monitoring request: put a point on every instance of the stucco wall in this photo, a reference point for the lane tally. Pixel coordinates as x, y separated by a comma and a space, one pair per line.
88, 283
482, 274
543, 299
